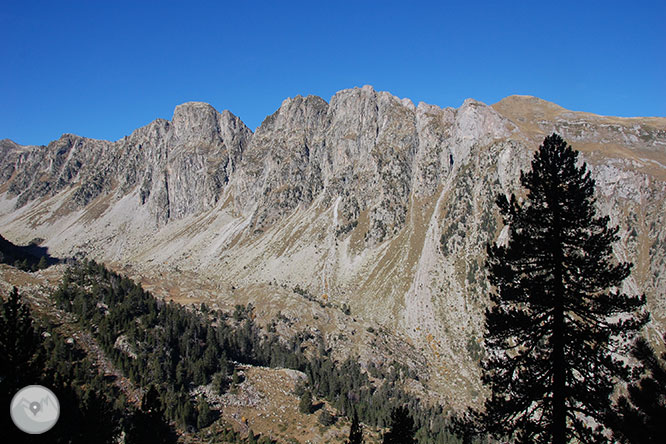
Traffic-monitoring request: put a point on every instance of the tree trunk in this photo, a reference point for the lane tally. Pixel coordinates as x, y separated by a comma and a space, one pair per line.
559, 377
559, 425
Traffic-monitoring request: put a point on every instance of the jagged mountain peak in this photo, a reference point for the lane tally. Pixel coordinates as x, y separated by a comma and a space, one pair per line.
194, 105
301, 111
368, 93
199, 122
299, 100
472, 102
362, 94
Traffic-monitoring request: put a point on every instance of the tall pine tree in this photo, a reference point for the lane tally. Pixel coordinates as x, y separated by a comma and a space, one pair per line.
148, 424
18, 343
355, 431
401, 430
557, 314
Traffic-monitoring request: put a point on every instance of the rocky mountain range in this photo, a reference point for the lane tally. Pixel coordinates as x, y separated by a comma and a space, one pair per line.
367, 202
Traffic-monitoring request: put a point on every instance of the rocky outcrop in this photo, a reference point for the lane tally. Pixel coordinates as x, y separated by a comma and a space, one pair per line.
177, 168
370, 148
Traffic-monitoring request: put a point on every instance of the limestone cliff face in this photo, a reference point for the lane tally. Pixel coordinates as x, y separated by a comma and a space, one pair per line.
369, 148
36, 172
366, 200
178, 168
280, 170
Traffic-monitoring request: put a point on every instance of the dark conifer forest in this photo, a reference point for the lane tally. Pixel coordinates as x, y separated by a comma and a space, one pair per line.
172, 349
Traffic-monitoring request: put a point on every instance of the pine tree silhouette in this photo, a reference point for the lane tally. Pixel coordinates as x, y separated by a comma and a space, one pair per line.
557, 313
18, 343
305, 404
355, 431
148, 424
401, 430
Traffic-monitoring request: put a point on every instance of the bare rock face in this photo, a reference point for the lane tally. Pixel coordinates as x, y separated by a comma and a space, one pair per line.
38, 172
279, 170
207, 146
366, 200
369, 148
177, 168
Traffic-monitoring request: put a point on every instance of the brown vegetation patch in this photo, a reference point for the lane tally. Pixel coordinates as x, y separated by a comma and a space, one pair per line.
357, 240
96, 208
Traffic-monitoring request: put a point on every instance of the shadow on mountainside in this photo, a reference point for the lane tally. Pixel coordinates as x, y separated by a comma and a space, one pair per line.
31, 257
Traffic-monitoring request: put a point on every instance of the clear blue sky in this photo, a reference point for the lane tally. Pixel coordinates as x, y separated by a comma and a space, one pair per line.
102, 69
